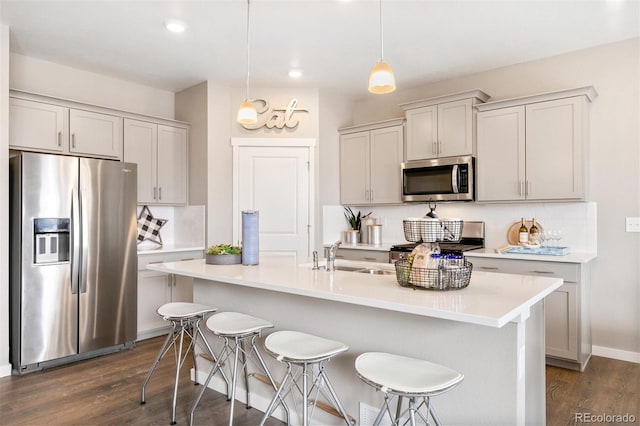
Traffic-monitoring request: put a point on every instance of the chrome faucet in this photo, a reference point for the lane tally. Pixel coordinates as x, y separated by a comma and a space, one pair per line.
332, 255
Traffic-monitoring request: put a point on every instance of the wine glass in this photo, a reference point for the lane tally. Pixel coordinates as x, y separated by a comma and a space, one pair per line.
544, 236
558, 237
550, 236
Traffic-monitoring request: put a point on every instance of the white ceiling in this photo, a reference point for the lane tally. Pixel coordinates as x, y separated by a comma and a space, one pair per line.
335, 43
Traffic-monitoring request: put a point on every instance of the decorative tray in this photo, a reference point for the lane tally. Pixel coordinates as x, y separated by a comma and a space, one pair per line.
544, 250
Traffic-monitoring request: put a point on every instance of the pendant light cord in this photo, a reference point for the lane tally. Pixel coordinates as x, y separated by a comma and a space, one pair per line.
381, 34
248, 63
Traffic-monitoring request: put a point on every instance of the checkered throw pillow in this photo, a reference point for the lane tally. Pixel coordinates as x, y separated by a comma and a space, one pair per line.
149, 227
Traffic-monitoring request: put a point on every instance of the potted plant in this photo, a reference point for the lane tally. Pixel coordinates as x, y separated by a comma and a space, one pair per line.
224, 254
355, 223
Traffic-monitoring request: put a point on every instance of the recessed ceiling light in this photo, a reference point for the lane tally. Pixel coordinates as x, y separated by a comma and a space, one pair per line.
175, 26
295, 73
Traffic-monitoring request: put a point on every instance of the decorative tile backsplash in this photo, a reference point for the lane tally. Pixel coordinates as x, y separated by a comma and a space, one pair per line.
578, 221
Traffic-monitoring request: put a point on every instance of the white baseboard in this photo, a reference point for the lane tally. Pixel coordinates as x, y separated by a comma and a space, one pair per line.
258, 401
5, 370
616, 354
261, 395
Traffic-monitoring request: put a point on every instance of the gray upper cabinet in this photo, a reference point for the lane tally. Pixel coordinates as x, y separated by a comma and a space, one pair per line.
95, 134
160, 151
38, 126
534, 148
48, 127
442, 126
370, 157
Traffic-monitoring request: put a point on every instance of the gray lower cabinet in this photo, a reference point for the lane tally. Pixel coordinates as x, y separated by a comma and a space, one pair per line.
567, 309
157, 288
362, 255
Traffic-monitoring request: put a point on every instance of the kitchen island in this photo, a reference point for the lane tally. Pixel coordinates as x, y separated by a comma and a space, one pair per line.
491, 331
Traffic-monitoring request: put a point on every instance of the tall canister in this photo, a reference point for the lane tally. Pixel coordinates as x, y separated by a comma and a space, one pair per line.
364, 231
250, 237
375, 234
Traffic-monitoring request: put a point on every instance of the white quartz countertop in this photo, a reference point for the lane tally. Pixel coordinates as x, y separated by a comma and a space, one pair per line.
167, 248
580, 257
491, 299
360, 246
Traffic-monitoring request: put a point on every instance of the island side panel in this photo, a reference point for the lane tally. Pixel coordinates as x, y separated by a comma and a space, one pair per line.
535, 375
487, 356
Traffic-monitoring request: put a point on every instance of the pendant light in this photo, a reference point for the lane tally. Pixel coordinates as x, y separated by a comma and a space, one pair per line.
247, 113
381, 79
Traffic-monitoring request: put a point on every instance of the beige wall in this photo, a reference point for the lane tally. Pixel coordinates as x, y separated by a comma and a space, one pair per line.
223, 104
5, 368
48, 78
191, 106
614, 70
335, 112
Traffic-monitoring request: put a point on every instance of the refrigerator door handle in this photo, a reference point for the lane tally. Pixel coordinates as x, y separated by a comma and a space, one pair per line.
75, 238
83, 242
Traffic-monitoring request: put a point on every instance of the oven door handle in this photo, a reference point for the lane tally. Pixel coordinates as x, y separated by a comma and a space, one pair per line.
455, 177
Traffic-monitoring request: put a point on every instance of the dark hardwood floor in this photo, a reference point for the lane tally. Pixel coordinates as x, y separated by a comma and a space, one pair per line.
607, 387
106, 390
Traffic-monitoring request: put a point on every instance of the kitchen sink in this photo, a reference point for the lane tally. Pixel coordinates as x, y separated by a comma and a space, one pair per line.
348, 268
375, 271
360, 269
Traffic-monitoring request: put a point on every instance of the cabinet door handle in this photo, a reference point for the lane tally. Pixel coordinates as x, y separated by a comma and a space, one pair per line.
159, 193
434, 149
371, 195
366, 194
542, 272
73, 140
155, 193
189, 258
490, 268
369, 258
527, 188
60, 138
521, 190
439, 148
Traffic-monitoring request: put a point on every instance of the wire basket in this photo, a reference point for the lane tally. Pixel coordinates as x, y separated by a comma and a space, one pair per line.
445, 278
431, 230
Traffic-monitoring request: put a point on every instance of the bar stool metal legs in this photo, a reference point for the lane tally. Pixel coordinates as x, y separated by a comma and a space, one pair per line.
237, 330
185, 319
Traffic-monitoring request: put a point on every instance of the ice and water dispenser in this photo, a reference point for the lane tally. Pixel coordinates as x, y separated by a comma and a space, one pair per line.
51, 240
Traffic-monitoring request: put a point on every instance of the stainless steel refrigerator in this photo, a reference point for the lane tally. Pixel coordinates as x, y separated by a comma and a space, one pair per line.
73, 260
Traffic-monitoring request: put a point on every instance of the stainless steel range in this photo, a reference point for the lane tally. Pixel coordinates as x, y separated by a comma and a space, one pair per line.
472, 238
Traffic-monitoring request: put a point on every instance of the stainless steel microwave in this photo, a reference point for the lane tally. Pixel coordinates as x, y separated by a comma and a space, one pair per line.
440, 179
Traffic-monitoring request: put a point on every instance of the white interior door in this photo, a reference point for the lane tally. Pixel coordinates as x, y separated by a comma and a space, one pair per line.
276, 181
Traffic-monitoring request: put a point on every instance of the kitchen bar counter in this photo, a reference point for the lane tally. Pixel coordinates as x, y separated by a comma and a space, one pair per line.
490, 299
492, 331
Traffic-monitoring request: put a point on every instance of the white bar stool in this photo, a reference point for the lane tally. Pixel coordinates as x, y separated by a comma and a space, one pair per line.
236, 328
406, 377
185, 318
305, 351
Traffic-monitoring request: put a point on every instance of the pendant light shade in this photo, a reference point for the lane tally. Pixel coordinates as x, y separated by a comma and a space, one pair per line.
247, 113
381, 78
